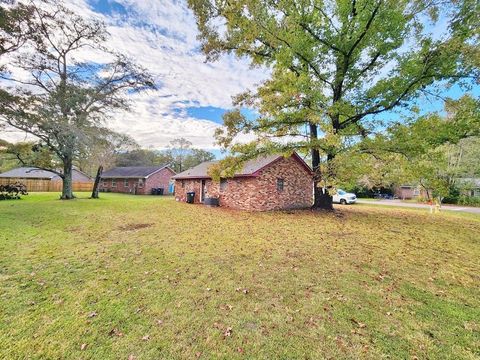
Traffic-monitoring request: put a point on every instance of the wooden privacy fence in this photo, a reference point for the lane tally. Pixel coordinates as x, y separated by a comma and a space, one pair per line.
47, 185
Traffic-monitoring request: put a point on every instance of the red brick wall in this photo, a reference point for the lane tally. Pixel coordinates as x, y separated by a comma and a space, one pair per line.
106, 184
410, 192
184, 186
160, 179
258, 193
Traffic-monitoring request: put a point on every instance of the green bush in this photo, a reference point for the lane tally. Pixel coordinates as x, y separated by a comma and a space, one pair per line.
468, 200
12, 191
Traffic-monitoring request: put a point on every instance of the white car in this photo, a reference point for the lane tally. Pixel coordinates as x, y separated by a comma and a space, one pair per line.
342, 197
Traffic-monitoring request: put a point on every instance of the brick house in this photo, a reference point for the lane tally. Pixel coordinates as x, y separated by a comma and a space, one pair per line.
407, 192
267, 183
137, 179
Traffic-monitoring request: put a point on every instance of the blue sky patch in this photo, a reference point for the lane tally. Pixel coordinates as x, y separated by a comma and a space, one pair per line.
214, 114
108, 7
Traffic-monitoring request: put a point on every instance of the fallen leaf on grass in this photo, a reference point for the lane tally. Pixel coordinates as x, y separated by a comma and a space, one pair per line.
92, 314
132, 357
83, 347
359, 324
146, 338
115, 332
228, 332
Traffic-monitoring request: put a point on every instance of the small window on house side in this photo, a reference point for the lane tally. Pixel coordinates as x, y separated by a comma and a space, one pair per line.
114, 183
279, 184
140, 183
183, 183
125, 183
223, 184
105, 183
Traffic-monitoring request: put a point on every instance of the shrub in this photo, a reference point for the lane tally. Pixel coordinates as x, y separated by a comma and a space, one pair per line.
469, 200
453, 196
12, 191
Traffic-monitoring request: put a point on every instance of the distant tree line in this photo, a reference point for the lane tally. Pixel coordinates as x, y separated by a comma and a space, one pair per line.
180, 156
118, 151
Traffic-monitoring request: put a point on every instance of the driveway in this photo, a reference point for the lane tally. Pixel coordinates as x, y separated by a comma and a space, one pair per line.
468, 209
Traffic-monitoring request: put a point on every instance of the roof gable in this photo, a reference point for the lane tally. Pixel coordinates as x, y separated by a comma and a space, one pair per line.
250, 168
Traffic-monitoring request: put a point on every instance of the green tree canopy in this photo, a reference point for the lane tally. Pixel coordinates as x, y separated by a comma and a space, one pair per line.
334, 66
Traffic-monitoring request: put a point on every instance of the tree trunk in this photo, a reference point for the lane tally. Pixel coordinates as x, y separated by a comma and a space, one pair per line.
321, 199
97, 182
67, 189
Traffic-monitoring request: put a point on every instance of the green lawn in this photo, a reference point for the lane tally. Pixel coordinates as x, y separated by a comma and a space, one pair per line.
150, 278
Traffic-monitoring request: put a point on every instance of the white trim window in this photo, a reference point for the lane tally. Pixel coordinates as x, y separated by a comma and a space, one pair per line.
126, 183
140, 183
114, 183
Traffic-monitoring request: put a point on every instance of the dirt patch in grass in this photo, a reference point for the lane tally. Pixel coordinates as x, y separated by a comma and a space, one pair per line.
132, 227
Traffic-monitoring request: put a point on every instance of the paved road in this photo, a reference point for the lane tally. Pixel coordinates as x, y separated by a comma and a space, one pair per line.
468, 209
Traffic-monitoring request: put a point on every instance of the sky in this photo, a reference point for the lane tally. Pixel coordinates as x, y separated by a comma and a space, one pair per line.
192, 95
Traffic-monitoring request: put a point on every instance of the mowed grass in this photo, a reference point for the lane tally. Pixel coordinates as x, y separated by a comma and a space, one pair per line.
145, 277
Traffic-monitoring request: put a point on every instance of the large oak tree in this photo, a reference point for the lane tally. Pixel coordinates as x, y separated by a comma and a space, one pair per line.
58, 94
335, 65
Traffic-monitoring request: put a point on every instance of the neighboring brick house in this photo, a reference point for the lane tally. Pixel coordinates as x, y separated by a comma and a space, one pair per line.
137, 179
406, 192
266, 183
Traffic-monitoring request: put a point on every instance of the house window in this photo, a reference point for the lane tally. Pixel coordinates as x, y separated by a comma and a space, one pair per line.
416, 192
476, 192
114, 183
125, 183
183, 184
280, 184
140, 183
223, 184
105, 183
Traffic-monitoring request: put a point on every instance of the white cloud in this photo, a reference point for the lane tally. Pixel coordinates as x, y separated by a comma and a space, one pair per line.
161, 36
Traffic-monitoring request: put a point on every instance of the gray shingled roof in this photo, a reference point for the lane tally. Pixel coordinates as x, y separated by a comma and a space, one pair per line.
29, 173
249, 168
131, 172
34, 173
